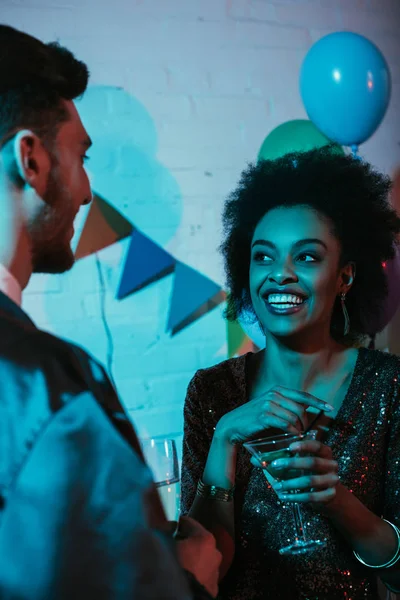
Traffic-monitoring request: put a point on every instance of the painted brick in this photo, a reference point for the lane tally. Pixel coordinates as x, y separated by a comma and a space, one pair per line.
163, 389
224, 83
389, 45
182, 77
250, 9
158, 422
171, 108
366, 22
229, 109
310, 15
133, 392
156, 361
43, 283
271, 35
388, 6
207, 10
207, 185
30, 18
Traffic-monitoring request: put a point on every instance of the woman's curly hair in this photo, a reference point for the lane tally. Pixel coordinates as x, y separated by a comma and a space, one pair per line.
346, 190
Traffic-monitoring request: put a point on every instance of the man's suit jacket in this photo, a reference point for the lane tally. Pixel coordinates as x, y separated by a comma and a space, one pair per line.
79, 514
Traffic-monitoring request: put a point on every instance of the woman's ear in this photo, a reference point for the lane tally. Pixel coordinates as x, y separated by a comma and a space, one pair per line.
348, 274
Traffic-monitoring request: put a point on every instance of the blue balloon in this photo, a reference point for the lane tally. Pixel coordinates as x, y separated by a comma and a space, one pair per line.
345, 86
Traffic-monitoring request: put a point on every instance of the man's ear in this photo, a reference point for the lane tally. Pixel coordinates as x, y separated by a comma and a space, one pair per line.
31, 160
348, 276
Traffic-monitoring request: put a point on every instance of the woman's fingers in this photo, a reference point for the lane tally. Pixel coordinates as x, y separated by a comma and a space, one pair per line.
255, 462
294, 411
314, 464
308, 483
275, 411
311, 447
303, 398
279, 408
308, 463
315, 497
274, 422
289, 405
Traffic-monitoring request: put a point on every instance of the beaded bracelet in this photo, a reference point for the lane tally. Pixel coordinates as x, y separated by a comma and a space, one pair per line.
392, 561
214, 492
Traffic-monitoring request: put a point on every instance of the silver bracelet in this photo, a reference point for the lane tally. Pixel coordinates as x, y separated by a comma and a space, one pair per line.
390, 562
214, 492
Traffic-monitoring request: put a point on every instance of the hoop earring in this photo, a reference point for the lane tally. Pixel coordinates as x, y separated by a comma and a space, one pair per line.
345, 314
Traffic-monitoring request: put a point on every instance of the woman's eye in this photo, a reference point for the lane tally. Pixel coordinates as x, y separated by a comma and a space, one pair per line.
85, 158
306, 257
261, 257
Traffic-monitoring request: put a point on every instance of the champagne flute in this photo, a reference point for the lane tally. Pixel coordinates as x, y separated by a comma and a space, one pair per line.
268, 449
162, 459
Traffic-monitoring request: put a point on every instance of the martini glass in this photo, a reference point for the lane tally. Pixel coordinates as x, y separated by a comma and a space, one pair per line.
268, 449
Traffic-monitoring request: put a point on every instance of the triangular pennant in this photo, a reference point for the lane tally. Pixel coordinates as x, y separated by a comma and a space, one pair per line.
191, 291
238, 341
103, 227
145, 262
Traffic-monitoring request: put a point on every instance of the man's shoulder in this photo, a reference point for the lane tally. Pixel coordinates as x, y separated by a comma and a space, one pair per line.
41, 377
42, 365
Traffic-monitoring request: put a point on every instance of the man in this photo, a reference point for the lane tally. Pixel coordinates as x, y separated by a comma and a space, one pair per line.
79, 514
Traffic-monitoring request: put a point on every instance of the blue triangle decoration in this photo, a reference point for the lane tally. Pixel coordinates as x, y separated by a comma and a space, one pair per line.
191, 291
145, 262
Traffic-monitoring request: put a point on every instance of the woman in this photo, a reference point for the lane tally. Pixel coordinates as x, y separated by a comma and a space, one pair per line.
305, 239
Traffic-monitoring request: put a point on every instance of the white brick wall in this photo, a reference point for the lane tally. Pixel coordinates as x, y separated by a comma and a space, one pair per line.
184, 91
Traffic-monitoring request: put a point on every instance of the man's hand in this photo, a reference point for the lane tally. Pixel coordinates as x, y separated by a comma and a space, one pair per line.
197, 553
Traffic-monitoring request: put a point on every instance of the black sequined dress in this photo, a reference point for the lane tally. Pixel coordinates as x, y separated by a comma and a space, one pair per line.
365, 440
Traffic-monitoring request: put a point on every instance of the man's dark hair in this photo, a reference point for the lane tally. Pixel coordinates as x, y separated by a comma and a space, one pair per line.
34, 79
349, 192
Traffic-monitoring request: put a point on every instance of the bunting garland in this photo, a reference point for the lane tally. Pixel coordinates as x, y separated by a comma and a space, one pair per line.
238, 341
145, 263
193, 295
104, 226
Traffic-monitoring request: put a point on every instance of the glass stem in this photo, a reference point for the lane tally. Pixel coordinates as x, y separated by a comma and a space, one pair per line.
298, 522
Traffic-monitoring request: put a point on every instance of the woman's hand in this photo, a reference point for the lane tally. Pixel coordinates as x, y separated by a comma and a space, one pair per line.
317, 474
280, 408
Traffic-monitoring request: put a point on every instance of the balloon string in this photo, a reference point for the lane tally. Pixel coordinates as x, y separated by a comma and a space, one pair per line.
354, 151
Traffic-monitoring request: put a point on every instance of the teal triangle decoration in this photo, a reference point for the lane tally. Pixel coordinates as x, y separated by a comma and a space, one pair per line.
191, 291
145, 263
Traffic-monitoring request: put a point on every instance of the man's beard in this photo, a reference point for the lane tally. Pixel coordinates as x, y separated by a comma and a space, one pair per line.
50, 246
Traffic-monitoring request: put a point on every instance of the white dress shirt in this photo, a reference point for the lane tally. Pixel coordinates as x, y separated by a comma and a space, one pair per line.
10, 286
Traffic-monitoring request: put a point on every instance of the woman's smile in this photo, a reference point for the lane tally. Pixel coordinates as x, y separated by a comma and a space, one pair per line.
294, 271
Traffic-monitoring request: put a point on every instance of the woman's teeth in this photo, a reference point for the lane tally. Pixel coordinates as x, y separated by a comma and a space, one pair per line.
284, 300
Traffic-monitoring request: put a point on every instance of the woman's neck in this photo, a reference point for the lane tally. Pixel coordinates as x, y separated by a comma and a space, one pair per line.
291, 367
